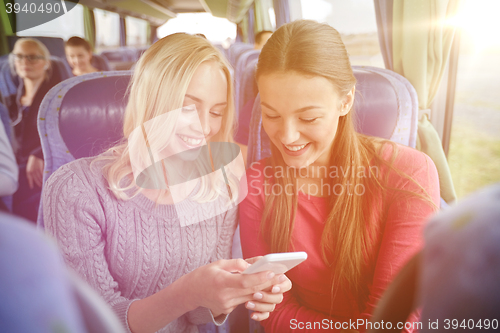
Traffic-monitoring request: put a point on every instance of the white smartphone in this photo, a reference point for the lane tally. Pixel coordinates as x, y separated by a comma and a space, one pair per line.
278, 263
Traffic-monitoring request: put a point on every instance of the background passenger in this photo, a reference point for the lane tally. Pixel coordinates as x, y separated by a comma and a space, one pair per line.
127, 241
261, 38
355, 204
8, 168
30, 60
79, 56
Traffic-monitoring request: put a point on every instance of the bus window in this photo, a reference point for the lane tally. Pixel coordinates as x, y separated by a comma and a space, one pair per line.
474, 152
137, 32
65, 26
107, 32
359, 32
217, 30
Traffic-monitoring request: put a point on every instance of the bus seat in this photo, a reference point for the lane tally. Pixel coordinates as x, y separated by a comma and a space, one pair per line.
9, 82
38, 293
100, 63
235, 50
241, 65
386, 106
120, 58
248, 85
220, 48
73, 125
5, 122
141, 50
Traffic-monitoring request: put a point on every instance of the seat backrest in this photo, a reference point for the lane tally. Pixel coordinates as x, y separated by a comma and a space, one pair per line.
82, 117
100, 63
121, 58
386, 106
235, 51
38, 293
248, 86
242, 63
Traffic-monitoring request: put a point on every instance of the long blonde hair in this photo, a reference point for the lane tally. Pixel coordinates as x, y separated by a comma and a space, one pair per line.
348, 240
158, 85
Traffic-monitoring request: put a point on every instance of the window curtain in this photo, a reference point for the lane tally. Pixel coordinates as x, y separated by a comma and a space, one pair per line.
123, 32
239, 33
6, 29
383, 14
243, 28
152, 33
282, 12
251, 25
420, 44
89, 25
262, 19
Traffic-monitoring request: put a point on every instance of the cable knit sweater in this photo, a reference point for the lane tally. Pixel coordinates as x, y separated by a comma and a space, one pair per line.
128, 250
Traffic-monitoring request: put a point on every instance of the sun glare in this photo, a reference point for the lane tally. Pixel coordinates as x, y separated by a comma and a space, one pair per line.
480, 23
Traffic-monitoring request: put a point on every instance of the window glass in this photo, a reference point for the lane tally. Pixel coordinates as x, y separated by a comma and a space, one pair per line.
107, 30
217, 30
355, 21
474, 152
137, 31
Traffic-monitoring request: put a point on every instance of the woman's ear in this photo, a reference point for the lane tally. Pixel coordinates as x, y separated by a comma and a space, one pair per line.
347, 102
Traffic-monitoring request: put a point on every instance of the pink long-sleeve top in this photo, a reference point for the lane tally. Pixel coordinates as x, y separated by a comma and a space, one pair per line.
309, 305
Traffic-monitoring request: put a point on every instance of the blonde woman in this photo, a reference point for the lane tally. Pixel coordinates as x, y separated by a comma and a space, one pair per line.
134, 230
355, 204
30, 60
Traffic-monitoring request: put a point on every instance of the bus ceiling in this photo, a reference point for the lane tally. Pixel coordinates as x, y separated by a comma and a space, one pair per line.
157, 12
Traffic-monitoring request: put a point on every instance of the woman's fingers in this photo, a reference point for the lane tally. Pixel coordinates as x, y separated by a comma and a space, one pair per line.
259, 316
34, 171
251, 283
282, 287
232, 265
264, 297
39, 177
30, 178
260, 306
253, 260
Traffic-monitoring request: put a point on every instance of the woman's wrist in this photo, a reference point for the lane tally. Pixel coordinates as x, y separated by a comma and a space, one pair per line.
183, 289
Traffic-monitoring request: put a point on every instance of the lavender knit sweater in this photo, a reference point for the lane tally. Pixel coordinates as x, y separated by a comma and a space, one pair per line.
128, 250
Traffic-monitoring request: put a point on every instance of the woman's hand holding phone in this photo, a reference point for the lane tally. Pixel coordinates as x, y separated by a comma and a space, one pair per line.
216, 287
265, 301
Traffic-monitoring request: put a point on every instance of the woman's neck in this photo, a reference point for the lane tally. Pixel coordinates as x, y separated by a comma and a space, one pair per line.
86, 70
30, 88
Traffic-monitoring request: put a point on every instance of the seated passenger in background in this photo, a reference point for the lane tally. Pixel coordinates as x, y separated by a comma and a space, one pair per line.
125, 232
30, 60
356, 204
79, 56
261, 39
8, 169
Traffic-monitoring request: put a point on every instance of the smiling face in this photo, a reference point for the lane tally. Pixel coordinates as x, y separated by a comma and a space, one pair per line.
78, 57
205, 103
300, 114
29, 69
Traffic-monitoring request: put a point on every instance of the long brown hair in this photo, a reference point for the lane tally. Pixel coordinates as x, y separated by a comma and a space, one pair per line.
348, 239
